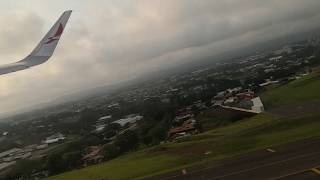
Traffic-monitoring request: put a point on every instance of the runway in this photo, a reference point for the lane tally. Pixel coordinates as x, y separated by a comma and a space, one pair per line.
297, 160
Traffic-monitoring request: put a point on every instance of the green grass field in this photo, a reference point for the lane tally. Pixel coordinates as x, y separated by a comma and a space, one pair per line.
302, 90
247, 135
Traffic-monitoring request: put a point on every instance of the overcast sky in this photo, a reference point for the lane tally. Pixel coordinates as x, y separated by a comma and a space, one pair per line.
115, 40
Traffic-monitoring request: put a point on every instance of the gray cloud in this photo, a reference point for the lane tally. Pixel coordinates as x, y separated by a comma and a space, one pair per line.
107, 42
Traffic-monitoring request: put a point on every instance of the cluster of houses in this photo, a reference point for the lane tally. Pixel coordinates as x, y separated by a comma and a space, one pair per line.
9, 157
92, 155
183, 125
239, 99
129, 120
236, 99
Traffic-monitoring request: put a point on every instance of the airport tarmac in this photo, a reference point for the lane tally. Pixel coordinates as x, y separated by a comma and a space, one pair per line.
296, 160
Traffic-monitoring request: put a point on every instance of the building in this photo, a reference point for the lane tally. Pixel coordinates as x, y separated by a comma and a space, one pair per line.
183, 117
187, 127
104, 118
248, 95
230, 100
5, 133
268, 82
257, 105
54, 138
277, 58
93, 155
130, 119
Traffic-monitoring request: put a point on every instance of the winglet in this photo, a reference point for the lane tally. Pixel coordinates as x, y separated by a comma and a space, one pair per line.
47, 45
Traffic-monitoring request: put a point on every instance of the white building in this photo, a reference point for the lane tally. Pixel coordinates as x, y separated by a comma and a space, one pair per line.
257, 105
277, 58
5, 133
131, 119
105, 118
54, 138
268, 82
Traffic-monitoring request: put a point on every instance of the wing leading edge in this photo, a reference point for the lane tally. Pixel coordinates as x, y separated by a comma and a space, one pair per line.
43, 50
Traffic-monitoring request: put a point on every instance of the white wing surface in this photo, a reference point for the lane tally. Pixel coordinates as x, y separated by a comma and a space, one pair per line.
43, 50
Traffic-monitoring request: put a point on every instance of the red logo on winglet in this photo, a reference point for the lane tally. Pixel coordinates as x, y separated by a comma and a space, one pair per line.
56, 36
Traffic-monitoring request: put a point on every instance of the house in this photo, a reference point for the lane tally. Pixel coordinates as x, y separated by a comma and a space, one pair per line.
268, 82
231, 100
93, 155
130, 119
245, 95
54, 138
277, 58
187, 127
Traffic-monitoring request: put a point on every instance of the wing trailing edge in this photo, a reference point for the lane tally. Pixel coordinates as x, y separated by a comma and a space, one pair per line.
44, 50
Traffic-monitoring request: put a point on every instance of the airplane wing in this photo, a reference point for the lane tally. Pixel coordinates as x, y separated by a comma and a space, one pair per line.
43, 50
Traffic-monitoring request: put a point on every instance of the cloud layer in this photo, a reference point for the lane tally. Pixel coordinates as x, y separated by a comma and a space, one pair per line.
111, 41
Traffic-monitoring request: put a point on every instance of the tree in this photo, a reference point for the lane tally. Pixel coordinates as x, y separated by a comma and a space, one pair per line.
24, 168
153, 132
87, 118
91, 140
127, 141
110, 151
72, 159
158, 133
56, 164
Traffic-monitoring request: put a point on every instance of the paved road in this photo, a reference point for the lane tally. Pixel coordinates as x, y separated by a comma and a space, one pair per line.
283, 162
